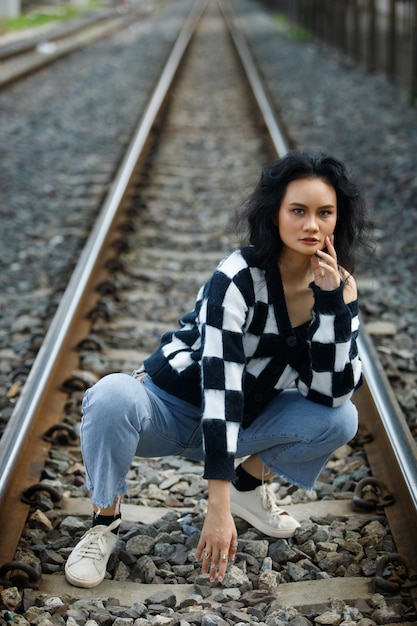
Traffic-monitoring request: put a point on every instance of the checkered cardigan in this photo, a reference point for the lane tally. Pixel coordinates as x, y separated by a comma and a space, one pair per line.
236, 350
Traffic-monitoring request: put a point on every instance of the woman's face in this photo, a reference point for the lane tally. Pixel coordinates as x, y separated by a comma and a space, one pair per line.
307, 214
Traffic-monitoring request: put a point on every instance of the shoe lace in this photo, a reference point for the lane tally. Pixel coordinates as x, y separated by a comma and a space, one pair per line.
268, 501
95, 545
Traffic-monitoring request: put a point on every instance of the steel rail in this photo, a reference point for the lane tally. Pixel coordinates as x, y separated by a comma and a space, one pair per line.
391, 453
18, 427
277, 135
390, 414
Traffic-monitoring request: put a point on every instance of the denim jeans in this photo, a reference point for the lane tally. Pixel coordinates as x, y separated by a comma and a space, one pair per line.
124, 417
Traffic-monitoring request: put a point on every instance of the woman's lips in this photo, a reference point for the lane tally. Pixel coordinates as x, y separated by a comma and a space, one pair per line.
309, 241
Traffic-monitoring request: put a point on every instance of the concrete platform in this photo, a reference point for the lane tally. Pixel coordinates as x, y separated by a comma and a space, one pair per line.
147, 515
301, 595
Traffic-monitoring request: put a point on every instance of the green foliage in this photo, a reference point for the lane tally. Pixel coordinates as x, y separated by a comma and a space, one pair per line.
42, 16
288, 28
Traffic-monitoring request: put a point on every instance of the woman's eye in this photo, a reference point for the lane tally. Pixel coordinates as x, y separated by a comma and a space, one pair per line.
298, 211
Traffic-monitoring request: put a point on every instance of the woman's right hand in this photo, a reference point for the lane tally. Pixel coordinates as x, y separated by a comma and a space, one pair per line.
218, 539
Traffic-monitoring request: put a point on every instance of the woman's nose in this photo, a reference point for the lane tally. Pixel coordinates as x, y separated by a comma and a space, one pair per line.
310, 223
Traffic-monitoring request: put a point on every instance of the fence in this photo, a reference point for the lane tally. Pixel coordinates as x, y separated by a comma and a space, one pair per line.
381, 34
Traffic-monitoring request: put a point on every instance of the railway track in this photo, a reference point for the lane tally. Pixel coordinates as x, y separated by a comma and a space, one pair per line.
165, 213
20, 57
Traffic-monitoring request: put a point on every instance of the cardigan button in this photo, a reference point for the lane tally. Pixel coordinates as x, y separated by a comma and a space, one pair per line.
291, 341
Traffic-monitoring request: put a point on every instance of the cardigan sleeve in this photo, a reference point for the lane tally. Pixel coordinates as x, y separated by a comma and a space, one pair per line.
221, 320
334, 370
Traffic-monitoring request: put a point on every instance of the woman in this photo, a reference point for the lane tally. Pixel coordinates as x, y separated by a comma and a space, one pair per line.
280, 312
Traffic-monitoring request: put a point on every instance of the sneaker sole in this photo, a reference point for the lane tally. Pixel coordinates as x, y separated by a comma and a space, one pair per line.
269, 531
85, 584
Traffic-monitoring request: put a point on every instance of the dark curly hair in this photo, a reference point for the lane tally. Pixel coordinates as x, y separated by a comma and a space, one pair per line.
352, 226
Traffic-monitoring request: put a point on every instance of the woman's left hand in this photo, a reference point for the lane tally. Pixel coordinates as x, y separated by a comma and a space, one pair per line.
325, 268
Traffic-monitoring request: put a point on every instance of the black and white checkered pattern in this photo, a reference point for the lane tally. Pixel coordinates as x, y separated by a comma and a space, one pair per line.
236, 350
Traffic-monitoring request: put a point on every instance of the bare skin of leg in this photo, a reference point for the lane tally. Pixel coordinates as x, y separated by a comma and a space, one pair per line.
252, 465
110, 510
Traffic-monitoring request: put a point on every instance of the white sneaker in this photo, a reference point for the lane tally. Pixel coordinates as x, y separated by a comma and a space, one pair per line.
86, 565
258, 507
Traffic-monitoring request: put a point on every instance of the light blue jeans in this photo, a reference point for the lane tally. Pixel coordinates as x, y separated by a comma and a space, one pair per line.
124, 417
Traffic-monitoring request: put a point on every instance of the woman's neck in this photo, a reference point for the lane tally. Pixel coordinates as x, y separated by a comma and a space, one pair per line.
295, 271
296, 277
